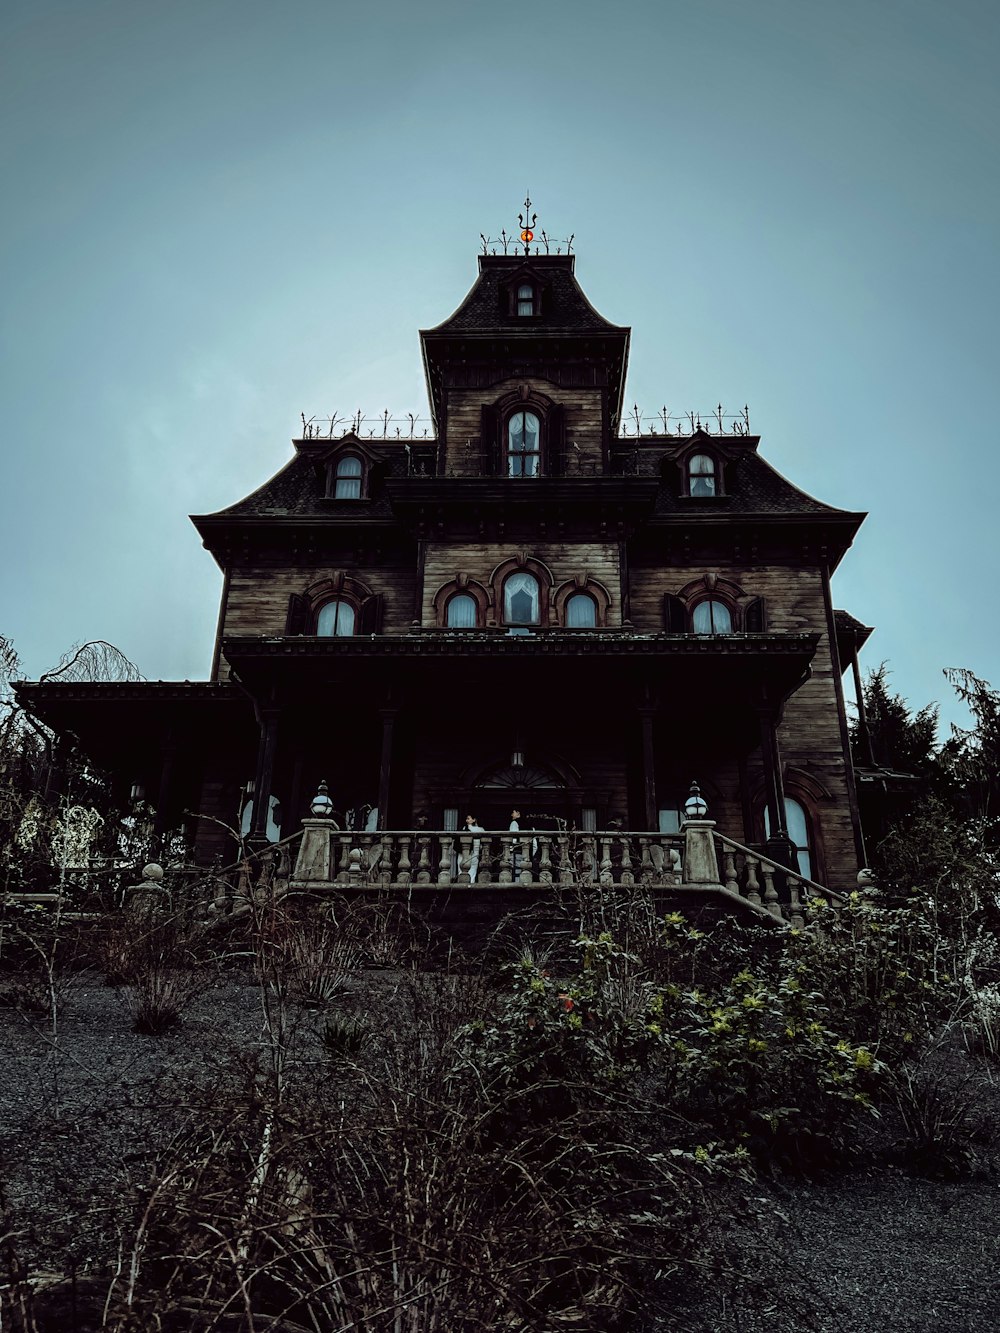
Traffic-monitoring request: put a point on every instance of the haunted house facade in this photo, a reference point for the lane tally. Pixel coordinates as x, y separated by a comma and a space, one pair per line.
524, 609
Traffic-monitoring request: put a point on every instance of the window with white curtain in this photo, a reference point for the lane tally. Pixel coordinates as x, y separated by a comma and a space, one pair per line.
701, 475
521, 599
335, 619
525, 299
523, 445
581, 611
348, 480
461, 612
712, 617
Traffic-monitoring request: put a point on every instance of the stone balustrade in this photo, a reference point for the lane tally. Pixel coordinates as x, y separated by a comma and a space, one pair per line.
768, 885
399, 858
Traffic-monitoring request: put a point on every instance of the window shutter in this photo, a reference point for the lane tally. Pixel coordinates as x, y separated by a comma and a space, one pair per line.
555, 427
371, 615
755, 616
297, 620
494, 460
674, 614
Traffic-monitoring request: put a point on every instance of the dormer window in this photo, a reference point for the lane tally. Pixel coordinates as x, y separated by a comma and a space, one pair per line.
525, 299
701, 475
347, 478
524, 444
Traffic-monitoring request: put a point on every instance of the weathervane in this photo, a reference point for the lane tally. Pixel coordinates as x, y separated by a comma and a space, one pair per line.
526, 222
507, 242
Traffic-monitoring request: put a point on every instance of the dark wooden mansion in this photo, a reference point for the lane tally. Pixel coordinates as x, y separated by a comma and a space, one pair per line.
524, 608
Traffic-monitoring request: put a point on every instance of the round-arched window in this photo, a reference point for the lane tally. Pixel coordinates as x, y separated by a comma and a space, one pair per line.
797, 826
524, 448
712, 617
581, 611
348, 481
521, 600
335, 619
460, 612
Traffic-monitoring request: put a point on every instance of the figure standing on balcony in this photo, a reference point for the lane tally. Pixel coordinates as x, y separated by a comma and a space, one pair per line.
515, 827
472, 825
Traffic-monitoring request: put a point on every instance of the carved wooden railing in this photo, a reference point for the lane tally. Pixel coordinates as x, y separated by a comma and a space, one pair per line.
769, 885
401, 858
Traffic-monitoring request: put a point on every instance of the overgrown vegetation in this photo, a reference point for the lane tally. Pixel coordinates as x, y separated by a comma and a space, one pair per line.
578, 1136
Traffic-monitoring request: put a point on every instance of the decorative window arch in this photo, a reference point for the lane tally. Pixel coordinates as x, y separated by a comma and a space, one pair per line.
713, 605
336, 606
522, 589
578, 593
523, 434
348, 475
461, 586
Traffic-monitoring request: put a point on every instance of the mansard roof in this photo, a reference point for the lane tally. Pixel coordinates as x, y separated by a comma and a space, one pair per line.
565, 309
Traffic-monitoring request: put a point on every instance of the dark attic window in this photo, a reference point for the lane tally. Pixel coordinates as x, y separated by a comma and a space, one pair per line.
347, 479
525, 299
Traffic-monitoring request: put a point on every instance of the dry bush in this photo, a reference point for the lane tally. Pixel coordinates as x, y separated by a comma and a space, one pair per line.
153, 960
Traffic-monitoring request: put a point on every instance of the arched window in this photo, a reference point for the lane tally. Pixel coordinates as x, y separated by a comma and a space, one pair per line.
521, 599
336, 619
525, 299
460, 612
581, 611
712, 617
701, 475
347, 482
524, 444
797, 822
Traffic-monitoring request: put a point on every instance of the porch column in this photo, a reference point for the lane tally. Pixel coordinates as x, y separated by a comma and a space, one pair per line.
266, 750
388, 716
165, 790
864, 735
778, 845
648, 770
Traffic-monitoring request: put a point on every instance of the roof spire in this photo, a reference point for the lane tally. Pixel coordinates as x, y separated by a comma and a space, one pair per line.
526, 222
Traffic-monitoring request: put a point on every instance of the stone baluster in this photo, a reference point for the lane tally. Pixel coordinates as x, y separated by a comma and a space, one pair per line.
385, 864
627, 879
403, 874
508, 845
424, 860
485, 875
525, 877
464, 860
545, 859
795, 916
645, 863
565, 863
607, 874
770, 892
344, 875
753, 884
676, 864
732, 883
354, 867
444, 865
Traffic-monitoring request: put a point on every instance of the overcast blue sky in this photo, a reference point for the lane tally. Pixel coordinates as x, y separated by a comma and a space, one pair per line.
220, 214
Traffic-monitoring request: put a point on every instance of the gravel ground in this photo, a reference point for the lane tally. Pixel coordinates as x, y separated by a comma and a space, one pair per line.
879, 1248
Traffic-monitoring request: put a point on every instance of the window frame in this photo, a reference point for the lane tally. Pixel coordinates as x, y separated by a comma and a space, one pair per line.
358, 477
476, 609
522, 624
523, 410
691, 477
711, 600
